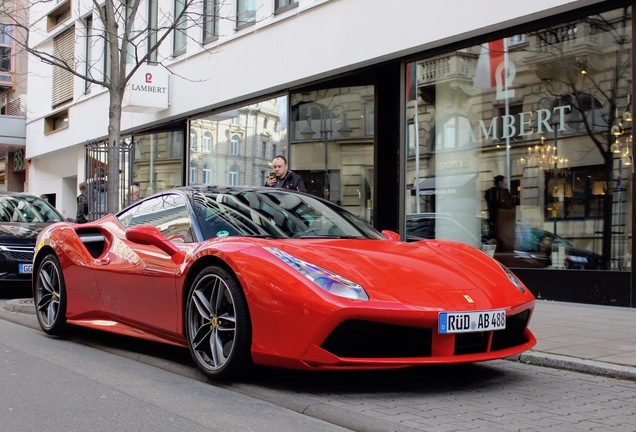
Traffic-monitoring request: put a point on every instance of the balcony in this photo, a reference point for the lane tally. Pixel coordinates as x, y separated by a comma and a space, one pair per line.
12, 130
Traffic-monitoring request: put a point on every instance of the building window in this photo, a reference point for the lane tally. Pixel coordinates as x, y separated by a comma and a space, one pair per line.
193, 175
245, 13
274, 154
210, 20
88, 55
106, 57
152, 29
63, 49
193, 141
179, 35
281, 6
207, 142
58, 15
263, 149
56, 122
207, 176
233, 179
234, 145
6, 31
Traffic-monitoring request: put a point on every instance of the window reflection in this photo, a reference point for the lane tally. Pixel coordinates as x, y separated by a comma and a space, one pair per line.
545, 112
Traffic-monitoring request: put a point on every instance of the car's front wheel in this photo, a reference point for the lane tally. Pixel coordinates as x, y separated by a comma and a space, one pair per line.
50, 295
218, 325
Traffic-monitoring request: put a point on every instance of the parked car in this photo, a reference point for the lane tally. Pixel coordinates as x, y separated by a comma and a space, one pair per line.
22, 217
533, 247
273, 277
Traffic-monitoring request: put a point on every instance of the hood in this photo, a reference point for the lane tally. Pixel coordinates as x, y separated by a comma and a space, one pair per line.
427, 272
15, 233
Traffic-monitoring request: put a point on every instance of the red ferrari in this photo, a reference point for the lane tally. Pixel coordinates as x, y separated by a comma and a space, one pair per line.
267, 276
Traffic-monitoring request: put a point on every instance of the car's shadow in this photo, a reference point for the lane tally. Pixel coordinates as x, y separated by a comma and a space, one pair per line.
430, 379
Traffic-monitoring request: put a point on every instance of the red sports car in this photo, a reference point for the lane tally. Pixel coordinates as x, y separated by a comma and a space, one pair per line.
267, 276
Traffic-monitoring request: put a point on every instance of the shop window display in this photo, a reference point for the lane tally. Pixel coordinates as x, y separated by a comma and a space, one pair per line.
549, 111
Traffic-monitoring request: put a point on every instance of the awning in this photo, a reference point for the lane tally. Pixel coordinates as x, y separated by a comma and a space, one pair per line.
434, 185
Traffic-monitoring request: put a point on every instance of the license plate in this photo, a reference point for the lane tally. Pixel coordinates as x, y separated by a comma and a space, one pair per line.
25, 268
466, 322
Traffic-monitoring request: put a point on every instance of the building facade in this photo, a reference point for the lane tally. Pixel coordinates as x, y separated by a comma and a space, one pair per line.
406, 116
13, 88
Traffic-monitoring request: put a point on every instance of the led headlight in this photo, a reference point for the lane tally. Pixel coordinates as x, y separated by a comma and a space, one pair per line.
329, 281
513, 278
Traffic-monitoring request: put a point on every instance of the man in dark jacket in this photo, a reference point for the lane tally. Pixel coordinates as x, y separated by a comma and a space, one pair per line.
284, 178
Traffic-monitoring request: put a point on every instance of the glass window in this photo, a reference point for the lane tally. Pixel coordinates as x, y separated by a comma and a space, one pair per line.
284, 5
234, 175
525, 143
207, 142
332, 145
153, 10
6, 31
168, 213
207, 176
179, 34
158, 161
234, 145
210, 20
226, 135
193, 175
88, 55
245, 13
193, 141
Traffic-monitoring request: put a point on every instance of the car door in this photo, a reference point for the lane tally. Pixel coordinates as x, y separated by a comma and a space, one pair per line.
138, 282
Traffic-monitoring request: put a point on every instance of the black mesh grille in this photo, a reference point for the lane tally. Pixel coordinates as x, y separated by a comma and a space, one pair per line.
513, 333
17, 256
470, 343
367, 339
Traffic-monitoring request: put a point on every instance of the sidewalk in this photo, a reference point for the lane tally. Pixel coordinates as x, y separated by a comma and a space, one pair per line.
593, 339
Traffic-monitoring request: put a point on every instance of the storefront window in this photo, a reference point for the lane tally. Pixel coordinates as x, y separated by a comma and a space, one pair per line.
332, 145
522, 146
237, 144
158, 164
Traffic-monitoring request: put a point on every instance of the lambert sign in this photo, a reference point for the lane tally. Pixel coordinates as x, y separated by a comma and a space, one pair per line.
148, 90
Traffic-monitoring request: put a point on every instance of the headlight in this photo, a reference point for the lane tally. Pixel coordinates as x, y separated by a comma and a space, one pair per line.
328, 281
513, 278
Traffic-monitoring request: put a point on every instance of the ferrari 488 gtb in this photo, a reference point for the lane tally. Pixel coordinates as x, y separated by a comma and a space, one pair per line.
266, 276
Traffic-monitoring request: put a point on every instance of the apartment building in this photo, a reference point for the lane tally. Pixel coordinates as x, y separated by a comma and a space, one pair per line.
390, 109
13, 87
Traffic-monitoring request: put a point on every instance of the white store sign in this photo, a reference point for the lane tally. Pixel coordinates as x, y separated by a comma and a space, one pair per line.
148, 90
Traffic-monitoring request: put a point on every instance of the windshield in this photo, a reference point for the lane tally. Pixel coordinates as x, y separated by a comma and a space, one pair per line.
278, 214
27, 209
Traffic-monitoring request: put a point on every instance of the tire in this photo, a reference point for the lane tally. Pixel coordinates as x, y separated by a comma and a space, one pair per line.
50, 296
217, 325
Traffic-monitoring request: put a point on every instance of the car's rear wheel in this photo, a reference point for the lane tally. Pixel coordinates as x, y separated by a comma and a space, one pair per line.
50, 296
218, 325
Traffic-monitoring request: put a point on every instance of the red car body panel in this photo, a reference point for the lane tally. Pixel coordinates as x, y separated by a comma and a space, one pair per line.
140, 291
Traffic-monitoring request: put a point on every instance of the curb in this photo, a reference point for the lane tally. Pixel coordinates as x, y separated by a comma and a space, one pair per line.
25, 306
591, 367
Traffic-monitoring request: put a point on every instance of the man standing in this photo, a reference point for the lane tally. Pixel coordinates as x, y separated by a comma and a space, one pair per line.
281, 177
501, 214
82, 204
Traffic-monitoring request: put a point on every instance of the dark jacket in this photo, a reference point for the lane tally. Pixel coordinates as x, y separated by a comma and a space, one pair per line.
291, 181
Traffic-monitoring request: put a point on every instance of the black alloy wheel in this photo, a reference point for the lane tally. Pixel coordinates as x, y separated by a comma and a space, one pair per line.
50, 296
217, 323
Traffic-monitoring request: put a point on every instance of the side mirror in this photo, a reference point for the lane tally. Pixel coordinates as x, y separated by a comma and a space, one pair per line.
150, 235
391, 235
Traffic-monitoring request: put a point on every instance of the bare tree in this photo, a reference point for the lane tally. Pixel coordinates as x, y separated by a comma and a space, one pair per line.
131, 40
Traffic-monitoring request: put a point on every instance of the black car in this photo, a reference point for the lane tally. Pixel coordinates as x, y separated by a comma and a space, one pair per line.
22, 217
533, 247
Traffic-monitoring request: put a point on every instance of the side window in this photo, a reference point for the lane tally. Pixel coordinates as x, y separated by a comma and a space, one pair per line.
168, 213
